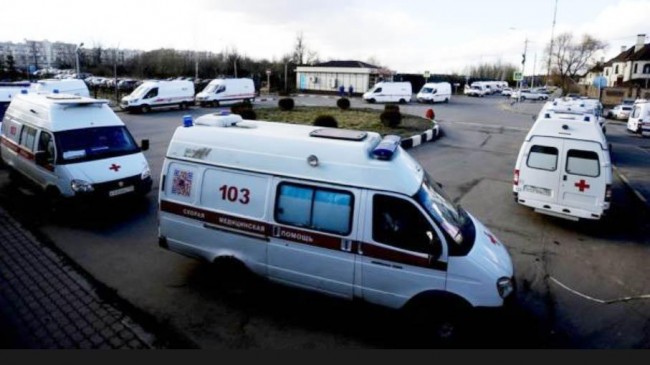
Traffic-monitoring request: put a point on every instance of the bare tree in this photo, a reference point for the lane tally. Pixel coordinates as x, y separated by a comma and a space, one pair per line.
569, 57
301, 54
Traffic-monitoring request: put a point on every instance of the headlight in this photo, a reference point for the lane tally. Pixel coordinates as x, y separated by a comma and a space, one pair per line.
146, 173
133, 101
81, 186
505, 287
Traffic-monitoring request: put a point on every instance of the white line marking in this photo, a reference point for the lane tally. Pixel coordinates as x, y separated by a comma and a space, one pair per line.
601, 301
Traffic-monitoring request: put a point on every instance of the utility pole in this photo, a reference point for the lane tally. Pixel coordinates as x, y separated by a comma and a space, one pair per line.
117, 100
235, 63
523, 67
196, 65
77, 54
550, 48
286, 87
532, 82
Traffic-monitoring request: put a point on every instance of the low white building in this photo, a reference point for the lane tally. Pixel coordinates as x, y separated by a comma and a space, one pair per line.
330, 76
630, 64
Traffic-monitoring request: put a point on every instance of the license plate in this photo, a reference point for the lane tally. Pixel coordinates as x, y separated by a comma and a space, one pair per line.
121, 191
537, 190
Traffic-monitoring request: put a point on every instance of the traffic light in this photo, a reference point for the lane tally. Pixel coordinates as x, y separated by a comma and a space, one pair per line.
523, 58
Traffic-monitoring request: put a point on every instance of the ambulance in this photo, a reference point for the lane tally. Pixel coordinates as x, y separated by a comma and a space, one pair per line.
564, 168
70, 146
639, 120
345, 213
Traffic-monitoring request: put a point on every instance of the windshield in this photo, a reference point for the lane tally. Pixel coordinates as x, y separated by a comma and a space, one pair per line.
210, 88
427, 90
94, 144
454, 220
140, 91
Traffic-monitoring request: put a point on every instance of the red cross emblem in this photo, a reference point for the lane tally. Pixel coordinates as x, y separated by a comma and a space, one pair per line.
582, 185
115, 167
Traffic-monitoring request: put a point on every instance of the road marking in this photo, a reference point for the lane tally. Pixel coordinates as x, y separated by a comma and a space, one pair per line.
601, 301
495, 126
627, 182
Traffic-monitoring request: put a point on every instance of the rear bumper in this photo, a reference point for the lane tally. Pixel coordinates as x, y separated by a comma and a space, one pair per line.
562, 211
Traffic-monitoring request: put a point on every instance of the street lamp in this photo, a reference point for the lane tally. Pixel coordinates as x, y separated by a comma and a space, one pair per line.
76, 51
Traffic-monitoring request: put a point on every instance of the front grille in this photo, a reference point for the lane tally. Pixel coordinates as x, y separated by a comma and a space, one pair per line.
104, 188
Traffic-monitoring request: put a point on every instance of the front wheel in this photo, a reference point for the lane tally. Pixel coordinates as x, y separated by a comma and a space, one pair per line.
145, 109
402, 101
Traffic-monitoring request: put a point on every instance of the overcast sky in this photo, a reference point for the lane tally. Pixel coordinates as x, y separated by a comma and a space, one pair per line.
406, 36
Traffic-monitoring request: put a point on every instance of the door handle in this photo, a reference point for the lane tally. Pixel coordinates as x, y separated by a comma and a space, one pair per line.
346, 245
564, 178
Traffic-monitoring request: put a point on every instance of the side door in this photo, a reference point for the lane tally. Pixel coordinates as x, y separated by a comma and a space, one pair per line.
25, 159
151, 97
402, 252
312, 243
45, 158
584, 180
539, 175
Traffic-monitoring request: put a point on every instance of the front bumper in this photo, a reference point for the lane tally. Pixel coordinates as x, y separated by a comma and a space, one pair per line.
117, 189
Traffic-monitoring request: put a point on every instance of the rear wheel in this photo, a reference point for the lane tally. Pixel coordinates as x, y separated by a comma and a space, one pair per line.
402, 101
446, 100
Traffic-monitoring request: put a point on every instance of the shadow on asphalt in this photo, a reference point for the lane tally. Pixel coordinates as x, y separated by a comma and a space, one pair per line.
373, 325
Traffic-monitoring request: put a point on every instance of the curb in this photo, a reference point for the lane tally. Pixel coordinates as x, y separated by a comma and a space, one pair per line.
426, 136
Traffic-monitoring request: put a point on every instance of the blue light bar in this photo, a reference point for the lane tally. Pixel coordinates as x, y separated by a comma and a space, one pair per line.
387, 147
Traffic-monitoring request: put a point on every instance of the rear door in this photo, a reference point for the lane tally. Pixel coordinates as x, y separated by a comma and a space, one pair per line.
583, 182
539, 174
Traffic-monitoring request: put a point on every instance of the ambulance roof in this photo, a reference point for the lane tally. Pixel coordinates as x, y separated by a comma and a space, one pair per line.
58, 112
568, 125
284, 149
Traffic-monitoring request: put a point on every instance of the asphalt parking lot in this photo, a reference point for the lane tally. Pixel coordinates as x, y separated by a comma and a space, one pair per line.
558, 263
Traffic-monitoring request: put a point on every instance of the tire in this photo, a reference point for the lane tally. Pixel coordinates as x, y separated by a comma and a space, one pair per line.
402, 101
231, 276
442, 324
371, 101
523, 98
446, 100
215, 103
145, 109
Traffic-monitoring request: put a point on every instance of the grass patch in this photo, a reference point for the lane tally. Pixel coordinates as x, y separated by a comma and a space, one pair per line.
357, 119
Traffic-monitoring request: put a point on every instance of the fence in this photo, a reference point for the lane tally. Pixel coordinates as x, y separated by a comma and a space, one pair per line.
615, 95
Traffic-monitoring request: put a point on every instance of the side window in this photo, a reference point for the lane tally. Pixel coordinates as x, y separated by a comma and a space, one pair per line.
636, 112
46, 144
221, 89
398, 223
314, 208
152, 93
542, 158
377, 91
27, 137
583, 163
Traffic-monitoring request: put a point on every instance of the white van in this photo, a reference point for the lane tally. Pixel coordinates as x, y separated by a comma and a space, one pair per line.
563, 168
389, 92
434, 92
6, 94
223, 91
64, 86
72, 146
584, 106
639, 120
340, 212
476, 89
157, 94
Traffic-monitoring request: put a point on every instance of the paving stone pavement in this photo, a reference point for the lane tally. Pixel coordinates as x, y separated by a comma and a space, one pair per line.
45, 303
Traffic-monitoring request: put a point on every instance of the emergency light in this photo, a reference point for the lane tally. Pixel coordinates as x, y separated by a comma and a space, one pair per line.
187, 121
387, 147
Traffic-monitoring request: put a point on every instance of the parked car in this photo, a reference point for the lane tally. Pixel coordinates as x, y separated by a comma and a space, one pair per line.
507, 91
127, 84
620, 112
528, 94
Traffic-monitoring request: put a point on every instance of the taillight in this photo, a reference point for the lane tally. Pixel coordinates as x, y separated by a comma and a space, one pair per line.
516, 178
608, 193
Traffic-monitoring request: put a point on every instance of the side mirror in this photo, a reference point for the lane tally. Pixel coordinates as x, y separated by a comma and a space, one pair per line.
40, 158
145, 145
532, 117
439, 185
